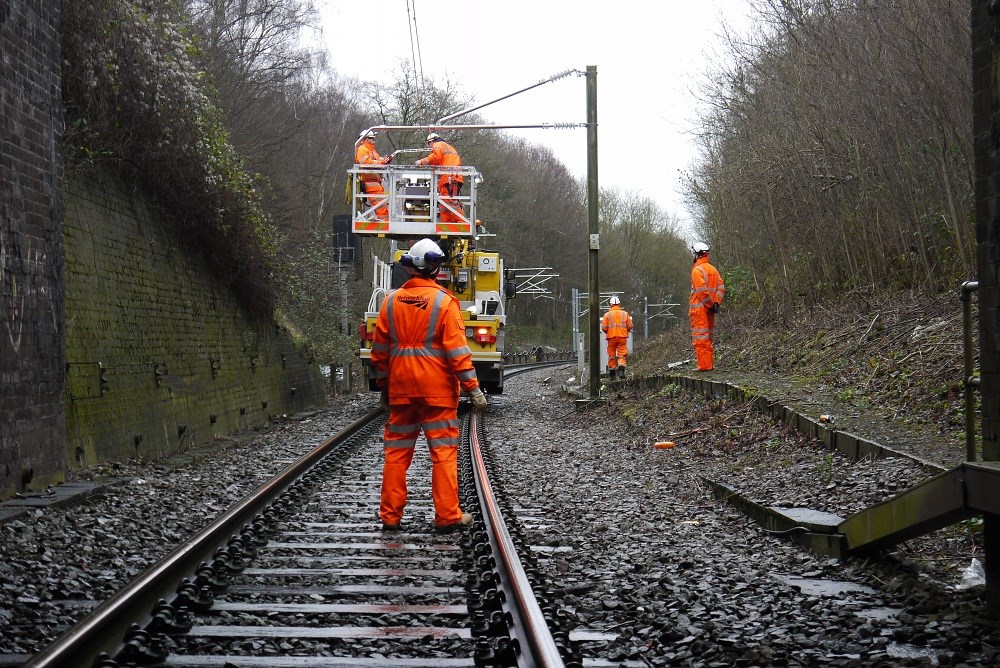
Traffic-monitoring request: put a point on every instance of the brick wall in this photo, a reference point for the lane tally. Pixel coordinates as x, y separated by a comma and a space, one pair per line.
159, 356
32, 422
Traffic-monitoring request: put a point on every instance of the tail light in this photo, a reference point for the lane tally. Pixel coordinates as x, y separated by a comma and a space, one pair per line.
484, 335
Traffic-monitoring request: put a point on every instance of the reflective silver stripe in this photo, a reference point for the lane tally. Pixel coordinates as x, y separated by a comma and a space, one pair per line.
442, 442
441, 424
405, 443
403, 428
464, 350
467, 375
418, 352
435, 316
393, 339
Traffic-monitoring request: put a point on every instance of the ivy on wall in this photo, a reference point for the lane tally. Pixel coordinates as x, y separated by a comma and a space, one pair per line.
134, 97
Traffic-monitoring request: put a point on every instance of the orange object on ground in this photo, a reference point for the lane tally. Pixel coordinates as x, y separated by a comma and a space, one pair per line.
664, 445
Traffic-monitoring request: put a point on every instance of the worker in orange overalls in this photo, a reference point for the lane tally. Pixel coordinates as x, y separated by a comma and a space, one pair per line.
616, 324
707, 291
371, 182
420, 359
444, 154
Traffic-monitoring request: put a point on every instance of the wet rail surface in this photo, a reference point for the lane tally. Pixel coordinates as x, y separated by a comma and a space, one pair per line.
314, 581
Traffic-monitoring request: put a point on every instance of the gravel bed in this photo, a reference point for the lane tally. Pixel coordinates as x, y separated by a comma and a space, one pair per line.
87, 552
687, 580
637, 544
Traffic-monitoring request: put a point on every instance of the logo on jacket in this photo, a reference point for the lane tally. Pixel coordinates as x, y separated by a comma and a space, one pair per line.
416, 300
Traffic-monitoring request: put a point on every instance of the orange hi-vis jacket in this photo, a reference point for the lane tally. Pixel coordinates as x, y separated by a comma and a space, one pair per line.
706, 284
365, 154
616, 323
444, 154
420, 351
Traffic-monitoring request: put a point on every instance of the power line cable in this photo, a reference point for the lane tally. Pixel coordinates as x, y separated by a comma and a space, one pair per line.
416, 32
415, 54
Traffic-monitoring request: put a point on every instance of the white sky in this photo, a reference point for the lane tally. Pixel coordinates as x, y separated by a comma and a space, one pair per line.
650, 55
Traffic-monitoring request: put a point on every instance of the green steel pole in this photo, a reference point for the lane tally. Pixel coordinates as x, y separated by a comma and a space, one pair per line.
594, 239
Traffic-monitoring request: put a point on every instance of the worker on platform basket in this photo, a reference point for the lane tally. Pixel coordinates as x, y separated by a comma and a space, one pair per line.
707, 291
616, 324
449, 185
365, 155
422, 362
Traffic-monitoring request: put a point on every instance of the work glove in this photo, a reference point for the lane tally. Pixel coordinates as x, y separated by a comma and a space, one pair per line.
383, 400
386, 160
714, 308
478, 400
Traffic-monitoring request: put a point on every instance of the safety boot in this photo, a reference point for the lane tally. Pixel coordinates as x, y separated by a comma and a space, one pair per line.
455, 526
386, 526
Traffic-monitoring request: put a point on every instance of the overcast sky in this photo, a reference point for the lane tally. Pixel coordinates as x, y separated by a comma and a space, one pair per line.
650, 56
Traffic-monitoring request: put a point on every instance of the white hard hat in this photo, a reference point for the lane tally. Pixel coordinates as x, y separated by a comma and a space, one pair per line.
433, 137
699, 247
614, 301
367, 134
425, 256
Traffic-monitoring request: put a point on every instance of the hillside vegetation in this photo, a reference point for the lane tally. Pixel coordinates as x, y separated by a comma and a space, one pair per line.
874, 364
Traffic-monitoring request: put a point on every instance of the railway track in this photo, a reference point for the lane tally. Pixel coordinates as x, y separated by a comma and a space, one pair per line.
299, 574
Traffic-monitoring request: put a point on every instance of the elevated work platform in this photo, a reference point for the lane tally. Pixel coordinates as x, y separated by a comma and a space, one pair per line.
407, 201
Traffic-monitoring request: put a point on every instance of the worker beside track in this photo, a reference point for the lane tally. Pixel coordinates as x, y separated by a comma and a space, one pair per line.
421, 359
371, 182
707, 291
444, 154
616, 324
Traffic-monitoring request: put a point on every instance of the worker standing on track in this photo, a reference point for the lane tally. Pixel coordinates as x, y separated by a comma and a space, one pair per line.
616, 324
421, 359
444, 154
707, 291
371, 182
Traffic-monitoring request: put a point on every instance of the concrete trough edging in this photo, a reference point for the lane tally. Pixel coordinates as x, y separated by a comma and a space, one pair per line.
816, 536
850, 445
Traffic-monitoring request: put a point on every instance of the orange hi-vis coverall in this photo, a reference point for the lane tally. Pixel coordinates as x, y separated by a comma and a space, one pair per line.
707, 289
444, 154
420, 354
371, 183
616, 324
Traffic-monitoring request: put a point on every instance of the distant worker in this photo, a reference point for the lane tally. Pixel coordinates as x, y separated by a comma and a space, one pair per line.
371, 182
707, 291
616, 324
444, 154
421, 360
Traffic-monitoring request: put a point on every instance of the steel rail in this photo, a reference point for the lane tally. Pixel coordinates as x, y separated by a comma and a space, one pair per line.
103, 630
529, 622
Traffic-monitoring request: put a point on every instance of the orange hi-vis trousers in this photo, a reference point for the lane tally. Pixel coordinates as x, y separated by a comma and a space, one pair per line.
617, 352
375, 196
441, 428
702, 328
448, 190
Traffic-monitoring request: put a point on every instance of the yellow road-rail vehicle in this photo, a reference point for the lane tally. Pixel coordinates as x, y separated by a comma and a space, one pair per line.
474, 275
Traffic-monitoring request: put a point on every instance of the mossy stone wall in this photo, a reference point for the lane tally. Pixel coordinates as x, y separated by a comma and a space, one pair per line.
158, 355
